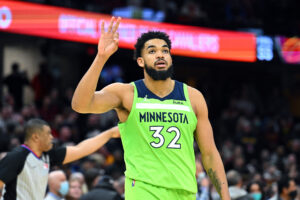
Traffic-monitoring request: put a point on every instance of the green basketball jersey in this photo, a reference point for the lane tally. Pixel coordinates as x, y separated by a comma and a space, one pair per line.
158, 138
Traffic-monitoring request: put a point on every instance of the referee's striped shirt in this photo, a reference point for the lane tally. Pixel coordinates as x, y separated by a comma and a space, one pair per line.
25, 175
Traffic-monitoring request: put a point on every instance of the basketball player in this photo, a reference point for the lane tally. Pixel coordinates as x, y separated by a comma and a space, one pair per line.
159, 119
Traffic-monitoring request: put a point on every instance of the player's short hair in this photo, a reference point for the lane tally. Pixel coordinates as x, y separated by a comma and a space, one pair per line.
34, 126
149, 36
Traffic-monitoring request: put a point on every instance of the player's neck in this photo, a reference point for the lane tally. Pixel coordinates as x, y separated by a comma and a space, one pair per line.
160, 88
34, 148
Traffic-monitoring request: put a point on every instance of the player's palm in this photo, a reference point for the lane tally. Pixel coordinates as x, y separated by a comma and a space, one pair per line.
109, 40
108, 44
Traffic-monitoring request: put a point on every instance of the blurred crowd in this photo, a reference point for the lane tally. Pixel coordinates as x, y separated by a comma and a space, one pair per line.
259, 141
270, 16
256, 134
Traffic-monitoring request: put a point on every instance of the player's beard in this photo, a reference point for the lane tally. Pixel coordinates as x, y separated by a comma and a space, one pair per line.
159, 75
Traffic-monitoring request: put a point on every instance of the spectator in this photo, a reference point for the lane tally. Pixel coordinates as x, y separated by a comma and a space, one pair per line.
79, 176
119, 185
255, 189
191, 12
58, 186
287, 189
75, 189
92, 177
42, 84
116, 169
202, 181
15, 83
235, 184
203, 193
103, 189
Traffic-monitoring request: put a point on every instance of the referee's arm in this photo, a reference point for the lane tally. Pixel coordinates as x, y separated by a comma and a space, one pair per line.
89, 146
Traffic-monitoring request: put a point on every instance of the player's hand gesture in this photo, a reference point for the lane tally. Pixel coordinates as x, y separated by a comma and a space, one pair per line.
109, 40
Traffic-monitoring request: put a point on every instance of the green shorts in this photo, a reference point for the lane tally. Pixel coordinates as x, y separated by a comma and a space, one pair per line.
138, 190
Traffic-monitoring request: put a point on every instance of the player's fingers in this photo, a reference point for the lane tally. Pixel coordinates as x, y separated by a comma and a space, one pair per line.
116, 26
116, 41
111, 24
102, 27
116, 38
116, 35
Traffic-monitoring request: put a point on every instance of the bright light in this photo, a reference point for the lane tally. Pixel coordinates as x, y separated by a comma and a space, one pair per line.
5, 17
264, 48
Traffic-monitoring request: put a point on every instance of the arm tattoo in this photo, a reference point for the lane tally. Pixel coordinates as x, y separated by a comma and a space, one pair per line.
214, 179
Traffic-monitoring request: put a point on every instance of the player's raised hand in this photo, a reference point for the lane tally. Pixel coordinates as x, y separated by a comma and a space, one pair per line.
109, 40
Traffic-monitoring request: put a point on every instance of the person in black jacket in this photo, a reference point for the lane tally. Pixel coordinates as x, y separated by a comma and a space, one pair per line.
103, 190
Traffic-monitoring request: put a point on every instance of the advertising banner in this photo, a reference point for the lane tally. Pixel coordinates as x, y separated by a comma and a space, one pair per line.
289, 49
80, 26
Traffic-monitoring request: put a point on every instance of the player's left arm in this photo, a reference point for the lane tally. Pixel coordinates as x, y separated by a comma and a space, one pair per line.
89, 146
211, 158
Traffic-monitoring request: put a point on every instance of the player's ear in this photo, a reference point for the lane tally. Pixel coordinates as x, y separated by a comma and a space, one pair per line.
140, 62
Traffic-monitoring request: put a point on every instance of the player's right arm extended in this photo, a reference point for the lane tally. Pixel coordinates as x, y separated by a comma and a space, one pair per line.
85, 99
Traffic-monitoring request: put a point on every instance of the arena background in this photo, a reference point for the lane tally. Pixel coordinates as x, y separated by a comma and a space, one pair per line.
254, 106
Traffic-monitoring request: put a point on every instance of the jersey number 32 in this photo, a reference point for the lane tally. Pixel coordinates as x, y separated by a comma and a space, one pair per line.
161, 140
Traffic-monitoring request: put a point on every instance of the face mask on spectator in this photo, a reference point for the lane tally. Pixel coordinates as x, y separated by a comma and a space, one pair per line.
256, 196
201, 176
64, 188
293, 194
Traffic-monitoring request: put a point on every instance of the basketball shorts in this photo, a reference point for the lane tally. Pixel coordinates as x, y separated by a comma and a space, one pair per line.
138, 190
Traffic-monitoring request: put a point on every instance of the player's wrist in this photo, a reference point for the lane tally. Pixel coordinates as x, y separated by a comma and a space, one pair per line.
102, 56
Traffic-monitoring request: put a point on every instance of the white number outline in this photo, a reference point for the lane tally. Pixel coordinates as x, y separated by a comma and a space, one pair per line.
173, 144
157, 134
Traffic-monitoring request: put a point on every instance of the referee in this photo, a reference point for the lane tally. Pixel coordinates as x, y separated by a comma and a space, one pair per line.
24, 170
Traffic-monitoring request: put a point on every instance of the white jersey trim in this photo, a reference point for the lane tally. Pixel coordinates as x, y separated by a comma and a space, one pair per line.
162, 106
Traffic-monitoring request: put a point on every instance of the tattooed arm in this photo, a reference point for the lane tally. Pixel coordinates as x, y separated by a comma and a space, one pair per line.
211, 159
